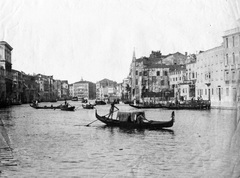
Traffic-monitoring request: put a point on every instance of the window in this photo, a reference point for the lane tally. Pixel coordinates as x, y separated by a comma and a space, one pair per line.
226, 42
233, 55
205, 91
136, 81
226, 76
227, 91
233, 40
233, 75
140, 73
165, 73
212, 91
226, 62
136, 72
158, 73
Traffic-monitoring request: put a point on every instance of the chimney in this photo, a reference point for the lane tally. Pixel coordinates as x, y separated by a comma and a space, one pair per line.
185, 53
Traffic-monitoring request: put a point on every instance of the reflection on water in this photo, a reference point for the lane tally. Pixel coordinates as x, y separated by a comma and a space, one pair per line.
134, 130
54, 143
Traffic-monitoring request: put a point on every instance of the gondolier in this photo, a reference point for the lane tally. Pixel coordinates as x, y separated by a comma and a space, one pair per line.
111, 111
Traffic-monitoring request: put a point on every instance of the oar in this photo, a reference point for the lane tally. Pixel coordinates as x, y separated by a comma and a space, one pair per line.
91, 123
97, 119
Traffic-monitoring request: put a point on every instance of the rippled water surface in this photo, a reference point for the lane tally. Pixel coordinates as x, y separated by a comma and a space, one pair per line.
54, 143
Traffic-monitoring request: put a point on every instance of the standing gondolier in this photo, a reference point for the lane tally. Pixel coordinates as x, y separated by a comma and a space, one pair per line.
111, 111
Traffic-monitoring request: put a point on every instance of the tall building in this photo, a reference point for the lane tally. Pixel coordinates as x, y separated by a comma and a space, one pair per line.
17, 87
64, 89
45, 89
105, 89
6, 64
148, 77
218, 71
84, 89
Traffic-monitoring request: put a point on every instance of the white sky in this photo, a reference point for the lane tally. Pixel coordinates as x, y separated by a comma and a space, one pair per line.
94, 39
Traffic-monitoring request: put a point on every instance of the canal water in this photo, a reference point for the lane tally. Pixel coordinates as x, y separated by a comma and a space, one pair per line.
54, 143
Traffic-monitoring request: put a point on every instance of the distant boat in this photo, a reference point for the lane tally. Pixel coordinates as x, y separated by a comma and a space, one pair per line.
146, 106
75, 99
44, 107
67, 108
88, 106
190, 104
133, 119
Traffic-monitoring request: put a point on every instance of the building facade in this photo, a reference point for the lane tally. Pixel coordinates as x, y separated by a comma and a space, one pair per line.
84, 89
218, 71
6, 65
106, 89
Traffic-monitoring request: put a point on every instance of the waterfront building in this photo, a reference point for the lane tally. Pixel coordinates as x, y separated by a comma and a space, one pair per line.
71, 91
2, 86
190, 80
126, 90
17, 88
231, 44
148, 78
64, 89
210, 76
105, 89
45, 89
84, 89
6, 64
176, 81
218, 71
30, 88
57, 85
119, 91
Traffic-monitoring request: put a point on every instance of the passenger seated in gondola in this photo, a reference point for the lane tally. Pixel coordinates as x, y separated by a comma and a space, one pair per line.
129, 119
65, 103
140, 119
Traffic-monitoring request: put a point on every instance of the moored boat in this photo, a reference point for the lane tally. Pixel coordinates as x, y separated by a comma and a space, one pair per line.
192, 104
135, 119
146, 106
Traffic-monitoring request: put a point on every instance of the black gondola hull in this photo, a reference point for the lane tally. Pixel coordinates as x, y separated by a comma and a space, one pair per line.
144, 125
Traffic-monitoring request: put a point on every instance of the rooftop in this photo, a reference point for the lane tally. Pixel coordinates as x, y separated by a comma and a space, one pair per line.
231, 31
5, 43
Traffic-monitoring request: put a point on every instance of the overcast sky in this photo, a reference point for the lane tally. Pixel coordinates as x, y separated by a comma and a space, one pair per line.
94, 39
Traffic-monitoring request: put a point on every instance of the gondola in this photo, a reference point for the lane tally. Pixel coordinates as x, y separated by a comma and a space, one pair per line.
144, 106
88, 106
100, 102
67, 108
75, 99
131, 119
44, 107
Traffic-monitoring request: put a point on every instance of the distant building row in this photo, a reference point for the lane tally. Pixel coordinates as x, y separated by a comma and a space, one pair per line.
211, 75
17, 87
